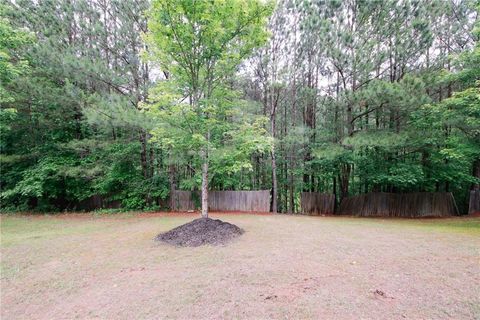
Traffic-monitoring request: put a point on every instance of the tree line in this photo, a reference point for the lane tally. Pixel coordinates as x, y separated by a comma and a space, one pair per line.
129, 100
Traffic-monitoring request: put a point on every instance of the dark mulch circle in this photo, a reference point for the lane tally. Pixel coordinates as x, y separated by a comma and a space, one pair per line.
200, 232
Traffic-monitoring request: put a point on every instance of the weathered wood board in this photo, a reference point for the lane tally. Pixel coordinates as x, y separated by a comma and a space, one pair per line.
418, 204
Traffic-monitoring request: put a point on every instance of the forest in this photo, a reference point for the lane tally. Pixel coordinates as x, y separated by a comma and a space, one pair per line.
129, 100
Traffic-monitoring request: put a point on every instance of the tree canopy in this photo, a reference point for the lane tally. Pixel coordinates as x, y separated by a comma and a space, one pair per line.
118, 103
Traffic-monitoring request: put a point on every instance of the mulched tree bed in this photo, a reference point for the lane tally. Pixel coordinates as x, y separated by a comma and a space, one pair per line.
200, 232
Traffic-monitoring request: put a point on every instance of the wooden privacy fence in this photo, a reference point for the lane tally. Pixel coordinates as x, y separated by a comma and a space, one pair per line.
474, 204
418, 204
316, 203
258, 201
239, 200
183, 200
96, 202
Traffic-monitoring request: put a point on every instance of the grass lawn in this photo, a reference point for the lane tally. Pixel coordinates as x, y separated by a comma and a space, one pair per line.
108, 267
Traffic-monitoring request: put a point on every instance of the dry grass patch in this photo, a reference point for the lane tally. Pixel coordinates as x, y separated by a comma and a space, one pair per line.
87, 266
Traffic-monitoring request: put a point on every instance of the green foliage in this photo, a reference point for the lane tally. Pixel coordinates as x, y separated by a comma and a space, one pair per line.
124, 100
70, 122
12, 62
200, 44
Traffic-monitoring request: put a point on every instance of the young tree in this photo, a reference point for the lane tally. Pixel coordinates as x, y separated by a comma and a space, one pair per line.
200, 44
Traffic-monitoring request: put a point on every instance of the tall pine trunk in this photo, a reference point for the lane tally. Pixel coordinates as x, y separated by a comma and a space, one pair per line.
143, 153
172, 186
476, 173
274, 166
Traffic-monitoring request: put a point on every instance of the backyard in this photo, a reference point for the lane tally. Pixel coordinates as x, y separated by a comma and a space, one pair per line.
283, 266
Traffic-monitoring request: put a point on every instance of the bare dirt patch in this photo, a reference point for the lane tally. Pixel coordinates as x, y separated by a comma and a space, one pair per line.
201, 232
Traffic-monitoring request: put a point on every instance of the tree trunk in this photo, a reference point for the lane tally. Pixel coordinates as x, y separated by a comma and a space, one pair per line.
172, 186
334, 187
205, 186
476, 173
291, 207
205, 178
344, 180
274, 166
152, 160
274, 182
273, 113
143, 153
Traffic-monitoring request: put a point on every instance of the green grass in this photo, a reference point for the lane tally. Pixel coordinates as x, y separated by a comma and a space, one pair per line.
18, 229
464, 225
460, 225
